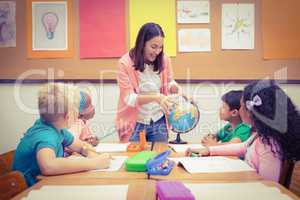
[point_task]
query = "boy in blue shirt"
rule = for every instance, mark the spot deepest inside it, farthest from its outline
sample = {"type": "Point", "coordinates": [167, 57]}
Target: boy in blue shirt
{"type": "Point", "coordinates": [235, 131]}
{"type": "Point", "coordinates": [41, 150]}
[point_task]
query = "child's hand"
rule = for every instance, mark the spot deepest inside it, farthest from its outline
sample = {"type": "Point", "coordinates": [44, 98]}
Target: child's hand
{"type": "Point", "coordinates": [88, 151]}
{"type": "Point", "coordinates": [93, 140]}
{"type": "Point", "coordinates": [209, 141]}
{"type": "Point", "coordinates": [76, 154]}
{"type": "Point", "coordinates": [102, 161]}
{"type": "Point", "coordinates": [200, 152]}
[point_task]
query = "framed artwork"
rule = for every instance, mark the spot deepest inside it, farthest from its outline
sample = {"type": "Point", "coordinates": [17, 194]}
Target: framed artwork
{"type": "Point", "coordinates": [49, 28]}
{"type": "Point", "coordinates": [238, 26]}
{"type": "Point", "coordinates": [193, 11]}
{"type": "Point", "coordinates": [194, 40]}
{"type": "Point", "coordinates": [7, 24]}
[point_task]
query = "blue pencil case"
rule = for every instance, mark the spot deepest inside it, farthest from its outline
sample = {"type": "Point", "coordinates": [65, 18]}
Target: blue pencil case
{"type": "Point", "coordinates": [160, 165]}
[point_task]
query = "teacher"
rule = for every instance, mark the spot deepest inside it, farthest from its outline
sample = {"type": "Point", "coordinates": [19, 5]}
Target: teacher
{"type": "Point", "coordinates": [145, 78]}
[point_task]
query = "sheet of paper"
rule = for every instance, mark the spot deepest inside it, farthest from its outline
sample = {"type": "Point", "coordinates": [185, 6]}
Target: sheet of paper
{"type": "Point", "coordinates": [111, 147]}
{"type": "Point", "coordinates": [194, 40]}
{"type": "Point", "coordinates": [235, 191]}
{"type": "Point", "coordinates": [181, 148]}
{"type": "Point", "coordinates": [79, 192]}
{"type": "Point", "coordinates": [115, 165]}
{"type": "Point", "coordinates": [213, 164]}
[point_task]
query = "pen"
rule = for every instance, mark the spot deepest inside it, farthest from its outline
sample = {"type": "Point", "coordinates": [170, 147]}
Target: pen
{"type": "Point", "coordinates": [194, 154]}
{"type": "Point", "coordinates": [172, 148]}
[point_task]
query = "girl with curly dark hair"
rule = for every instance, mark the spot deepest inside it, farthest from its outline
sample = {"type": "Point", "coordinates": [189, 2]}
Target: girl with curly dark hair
{"type": "Point", "coordinates": [275, 121]}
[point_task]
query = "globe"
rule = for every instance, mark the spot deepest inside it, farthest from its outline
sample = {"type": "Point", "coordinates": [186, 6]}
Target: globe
{"type": "Point", "coordinates": [183, 117]}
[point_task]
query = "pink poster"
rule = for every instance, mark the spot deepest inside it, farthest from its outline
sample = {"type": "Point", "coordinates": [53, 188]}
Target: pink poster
{"type": "Point", "coordinates": [102, 28]}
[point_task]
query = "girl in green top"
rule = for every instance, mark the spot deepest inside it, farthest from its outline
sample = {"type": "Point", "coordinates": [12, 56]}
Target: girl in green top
{"type": "Point", "coordinates": [233, 132]}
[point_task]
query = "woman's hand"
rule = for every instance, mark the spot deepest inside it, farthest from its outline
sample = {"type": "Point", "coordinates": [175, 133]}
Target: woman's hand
{"type": "Point", "coordinates": [166, 103]}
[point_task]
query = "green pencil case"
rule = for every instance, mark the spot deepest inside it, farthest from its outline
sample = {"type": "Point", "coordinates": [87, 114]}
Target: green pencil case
{"type": "Point", "coordinates": [137, 162]}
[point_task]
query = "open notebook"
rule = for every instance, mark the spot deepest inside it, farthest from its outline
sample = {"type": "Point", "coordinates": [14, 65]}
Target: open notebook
{"type": "Point", "coordinates": [79, 192]}
{"type": "Point", "coordinates": [181, 148]}
{"type": "Point", "coordinates": [111, 147]}
{"type": "Point", "coordinates": [115, 164]}
{"type": "Point", "coordinates": [212, 164]}
{"type": "Point", "coordinates": [236, 191]}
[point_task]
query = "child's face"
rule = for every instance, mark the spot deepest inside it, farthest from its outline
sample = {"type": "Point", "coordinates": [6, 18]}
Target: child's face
{"type": "Point", "coordinates": [88, 113]}
{"type": "Point", "coordinates": [244, 113]}
{"type": "Point", "coordinates": [225, 113]}
{"type": "Point", "coordinates": [88, 110]}
{"type": "Point", "coordinates": [71, 117]}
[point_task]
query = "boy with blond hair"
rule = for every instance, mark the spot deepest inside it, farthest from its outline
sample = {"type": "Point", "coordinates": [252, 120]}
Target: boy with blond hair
{"type": "Point", "coordinates": [41, 150]}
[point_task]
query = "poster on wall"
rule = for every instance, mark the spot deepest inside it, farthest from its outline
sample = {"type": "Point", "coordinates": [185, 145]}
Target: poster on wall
{"type": "Point", "coordinates": [196, 11]}
{"type": "Point", "coordinates": [144, 11]}
{"type": "Point", "coordinates": [238, 26]}
{"type": "Point", "coordinates": [50, 28]}
{"type": "Point", "coordinates": [194, 40]}
{"type": "Point", "coordinates": [7, 24]}
{"type": "Point", "coordinates": [99, 37]}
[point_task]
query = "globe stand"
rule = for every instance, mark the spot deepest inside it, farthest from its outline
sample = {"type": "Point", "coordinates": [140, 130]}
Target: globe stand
{"type": "Point", "coordinates": [178, 140]}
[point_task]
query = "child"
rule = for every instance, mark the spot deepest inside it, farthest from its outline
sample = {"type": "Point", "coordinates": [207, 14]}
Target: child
{"type": "Point", "coordinates": [277, 138]}
{"type": "Point", "coordinates": [80, 130]}
{"type": "Point", "coordinates": [235, 131]}
{"type": "Point", "coordinates": [41, 150]}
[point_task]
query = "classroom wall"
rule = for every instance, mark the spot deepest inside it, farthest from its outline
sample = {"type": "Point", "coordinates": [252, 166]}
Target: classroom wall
{"type": "Point", "coordinates": [215, 65]}
{"type": "Point", "coordinates": [18, 112]}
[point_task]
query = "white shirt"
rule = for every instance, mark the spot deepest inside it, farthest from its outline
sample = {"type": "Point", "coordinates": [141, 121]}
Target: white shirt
{"type": "Point", "coordinates": [149, 82]}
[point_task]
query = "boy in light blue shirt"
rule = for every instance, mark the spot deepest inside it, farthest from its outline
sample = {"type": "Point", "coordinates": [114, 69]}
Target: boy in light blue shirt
{"type": "Point", "coordinates": [41, 150]}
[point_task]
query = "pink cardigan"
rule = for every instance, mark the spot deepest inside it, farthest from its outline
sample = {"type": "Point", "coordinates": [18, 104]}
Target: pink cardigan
{"type": "Point", "coordinates": [258, 155]}
{"type": "Point", "coordinates": [128, 83]}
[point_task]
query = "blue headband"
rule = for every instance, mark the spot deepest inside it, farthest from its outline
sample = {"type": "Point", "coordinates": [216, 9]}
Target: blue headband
{"type": "Point", "coordinates": [82, 101]}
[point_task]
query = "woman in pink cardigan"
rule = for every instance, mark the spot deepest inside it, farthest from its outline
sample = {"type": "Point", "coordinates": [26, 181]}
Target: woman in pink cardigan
{"type": "Point", "coordinates": [276, 138]}
{"type": "Point", "coordinates": [145, 79]}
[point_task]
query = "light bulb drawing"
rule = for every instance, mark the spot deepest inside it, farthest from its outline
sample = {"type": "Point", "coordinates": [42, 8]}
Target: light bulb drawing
{"type": "Point", "coordinates": [50, 21]}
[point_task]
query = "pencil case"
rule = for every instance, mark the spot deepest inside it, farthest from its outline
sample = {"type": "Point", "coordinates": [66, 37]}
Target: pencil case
{"type": "Point", "coordinates": [173, 190]}
{"type": "Point", "coordinates": [137, 162]}
{"type": "Point", "coordinates": [160, 165]}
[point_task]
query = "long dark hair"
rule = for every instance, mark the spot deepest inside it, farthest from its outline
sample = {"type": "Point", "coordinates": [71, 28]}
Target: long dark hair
{"type": "Point", "coordinates": [146, 33]}
{"type": "Point", "coordinates": [275, 118]}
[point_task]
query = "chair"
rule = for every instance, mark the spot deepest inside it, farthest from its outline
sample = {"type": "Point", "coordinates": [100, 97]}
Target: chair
{"type": "Point", "coordinates": [6, 161]}
{"type": "Point", "coordinates": [11, 184]}
{"type": "Point", "coordinates": [295, 180]}
{"type": "Point", "coordinates": [286, 173]}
